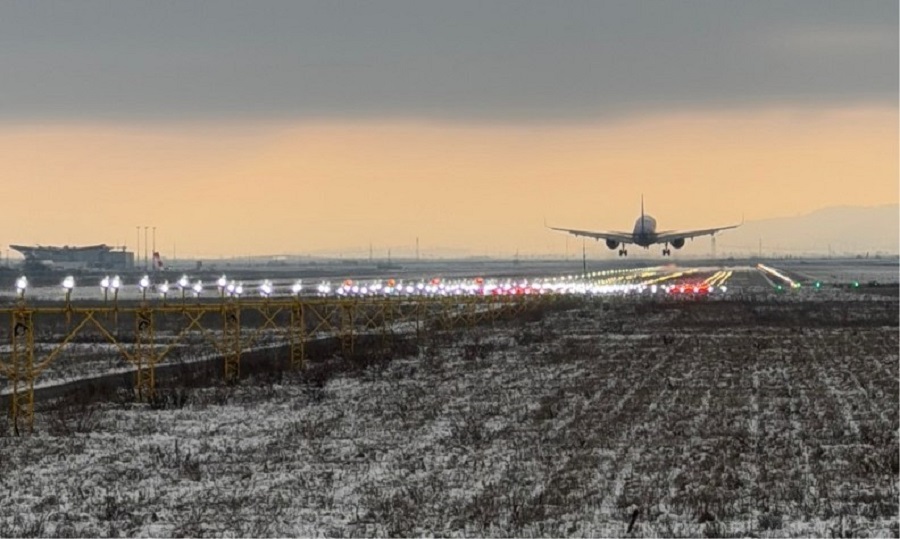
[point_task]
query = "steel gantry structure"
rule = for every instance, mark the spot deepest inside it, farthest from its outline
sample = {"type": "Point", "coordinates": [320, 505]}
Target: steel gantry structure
{"type": "Point", "coordinates": [145, 333]}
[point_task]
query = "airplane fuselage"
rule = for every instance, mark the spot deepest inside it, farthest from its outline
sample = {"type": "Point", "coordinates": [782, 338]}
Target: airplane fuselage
{"type": "Point", "coordinates": [645, 234]}
{"type": "Point", "coordinates": [644, 231]}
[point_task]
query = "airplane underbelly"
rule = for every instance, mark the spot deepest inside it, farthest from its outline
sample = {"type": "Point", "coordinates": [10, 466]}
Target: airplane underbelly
{"type": "Point", "coordinates": [645, 231]}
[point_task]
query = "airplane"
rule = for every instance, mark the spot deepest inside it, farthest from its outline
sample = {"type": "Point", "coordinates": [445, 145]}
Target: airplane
{"type": "Point", "coordinates": [645, 234]}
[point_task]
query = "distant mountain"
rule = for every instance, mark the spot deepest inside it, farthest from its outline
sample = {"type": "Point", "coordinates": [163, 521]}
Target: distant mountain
{"type": "Point", "coordinates": [839, 230]}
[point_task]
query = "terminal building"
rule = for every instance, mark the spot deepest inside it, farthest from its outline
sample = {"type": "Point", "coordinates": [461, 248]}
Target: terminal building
{"type": "Point", "coordinates": [76, 258]}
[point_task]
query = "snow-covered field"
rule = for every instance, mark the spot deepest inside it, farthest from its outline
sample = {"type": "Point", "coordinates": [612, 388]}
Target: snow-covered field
{"type": "Point", "coordinates": [707, 418]}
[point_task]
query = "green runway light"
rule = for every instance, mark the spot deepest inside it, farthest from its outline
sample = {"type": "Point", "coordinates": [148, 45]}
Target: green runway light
{"type": "Point", "coordinates": [855, 284]}
{"type": "Point", "coordinates": [779, 287]}
{"type": "Point", "coordinates": [818, 284]}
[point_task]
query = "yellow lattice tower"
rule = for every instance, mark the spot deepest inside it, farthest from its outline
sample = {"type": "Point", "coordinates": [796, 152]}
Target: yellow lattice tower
{"type": "Point", "coordinates": [21, 371]}
{"type": "Point", "coordinates": [144, 353]}
{"type": "Point", "coordinates": [348, 319]}
{"type": "Point", "coordinates": [387, 324]}
{"type": "Point", "coordinates": [231, 341]}
{"type": "Point", "coordinates": [298, 336]}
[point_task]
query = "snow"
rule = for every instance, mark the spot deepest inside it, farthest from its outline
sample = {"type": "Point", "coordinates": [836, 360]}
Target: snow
{"type": "Point", "coordinates": [773, 419]}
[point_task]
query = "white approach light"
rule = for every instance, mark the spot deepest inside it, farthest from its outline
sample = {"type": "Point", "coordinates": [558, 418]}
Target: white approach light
{"type": "Point", "coordinates": [104, 283]}
{"type": "Point", "coordinates": [144, 283]}
{"type": "Point", "coordinates": [183, 282]}
{"type": "Point", "coordinates": [115, 283]}
{"type": "Point", "coordinates": [222, 282]}
{"type": "Point", "coordinates": [230, 288]}
{"type": "Point", "coordinates": [197, 288]}
{"type": "Point", "coordinates": [239, 289]}
{"type": "Point", "coordinates": [265, 289]}
{"type": "Point", "coordinates": [296, 288]}
{"type": "Point", "coordinates": [21, 285]}
{"type": "Point", "coordinates": [68, 283]}
{"type": "Point", "coordinates": [163, 288]}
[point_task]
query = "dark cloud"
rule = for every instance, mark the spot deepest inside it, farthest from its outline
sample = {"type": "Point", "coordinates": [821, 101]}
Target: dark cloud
{"type": "Point", "coordinates": [467, 60]}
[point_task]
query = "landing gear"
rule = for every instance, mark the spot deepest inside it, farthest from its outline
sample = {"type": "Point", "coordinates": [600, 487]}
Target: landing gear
{"type": "Point", "coordinates": [623, 252]}
{"type": "Point", "coordinates": [667, 251]}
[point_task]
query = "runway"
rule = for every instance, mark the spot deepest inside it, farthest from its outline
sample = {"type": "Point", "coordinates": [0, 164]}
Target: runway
{"type": "Point", "coordinates": [479, 277]}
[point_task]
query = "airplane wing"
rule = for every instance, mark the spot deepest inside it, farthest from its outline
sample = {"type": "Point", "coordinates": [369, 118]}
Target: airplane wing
{"type": "Point", "coordinates": [670, 235]}
{"type": "Point", "coordinates": [621, 237]}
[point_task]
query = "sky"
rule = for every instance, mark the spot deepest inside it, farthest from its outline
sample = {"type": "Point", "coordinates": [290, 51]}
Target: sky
{"type": "Point", "coordinates": [246, 128]}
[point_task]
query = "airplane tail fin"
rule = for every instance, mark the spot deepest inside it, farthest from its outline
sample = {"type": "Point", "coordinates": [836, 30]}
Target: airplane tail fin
{"type": "Point", "coordinates": [642, 213]}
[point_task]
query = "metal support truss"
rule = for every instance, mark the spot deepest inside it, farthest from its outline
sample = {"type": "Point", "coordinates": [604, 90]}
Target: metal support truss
{"type": "Point", "coordinates": [144, 355]}
{"type": "Point", "coordinates": [348, 319]}
{"type": "Point", "coordinates": [160, 328]}
{"type": "Point", "coordinates": [231, 341]}
{"type": "Point", "coordinates": [20, 370]}
{"type": "Point", "coordinates": [298, 336]}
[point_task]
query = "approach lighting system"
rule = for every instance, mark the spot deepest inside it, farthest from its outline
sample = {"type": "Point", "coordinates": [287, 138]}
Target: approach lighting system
{"type": "Point", "coordinates": [21, 286]}
{"type": "Point", "coordinates": [230, 288]}
{"type": "Point", "coordinates": [239, 289]}
{"type": "Point", "coordinates": [163, 288]}
{"type": "Point", "coordinates": [296, 288]}
{"type": "Point", "coordinates": [265, 289]}
{"type": "Point", "coordinates": [68, 285]}
{"type": "Point", "coordinates": [104, 283]}
{"type": "Point", "coordinates": [183, 282]}
{"type": "Point", "coordinates": [222, 284]}
{"type": "Point", "coordinates": [144, 283]}
{"type": "Point", "coordinates": [197, 288]}
{"type": "Point", "coordinates": [115, 283]}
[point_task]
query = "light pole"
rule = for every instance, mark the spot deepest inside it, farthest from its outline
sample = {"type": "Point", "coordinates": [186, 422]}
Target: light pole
{"type": "Point", "coordinates": [21, 286]}
{"type": "Point", "coordinates": [137, 250]}
{"type": "Point", "coordinates": [265, 289]}
{"type": "Point", "coordinates": [145, 247]}
{"type": "Point", "coordinates": [104, 285]}
{"type": "Point", "coordinates": [183, 284]}
{"type": "Point", "coordinates": [68, 285]}
{"type": "Point", "coordinates": [164, 290]}
{"type": "Point", "coordinates": [222, 283]}
{"type": "Point", "coordinates": [197, 288]}
{"type": "Point", "coordinates": [144, 284]}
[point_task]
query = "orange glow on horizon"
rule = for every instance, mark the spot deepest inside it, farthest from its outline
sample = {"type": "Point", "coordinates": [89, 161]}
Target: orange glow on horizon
{"type": "Point", "coordinates": [234, 190]}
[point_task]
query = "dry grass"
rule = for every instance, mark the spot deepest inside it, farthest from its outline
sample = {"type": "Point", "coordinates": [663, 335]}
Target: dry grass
{"type": "Point", "coordinates": [617, 418]}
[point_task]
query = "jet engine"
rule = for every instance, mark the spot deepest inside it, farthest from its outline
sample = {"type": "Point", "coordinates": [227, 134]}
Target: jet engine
{"type": "Point", "coordinates": [678, 243]}
{"type": "Point", "coordinates": [612, 244]}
